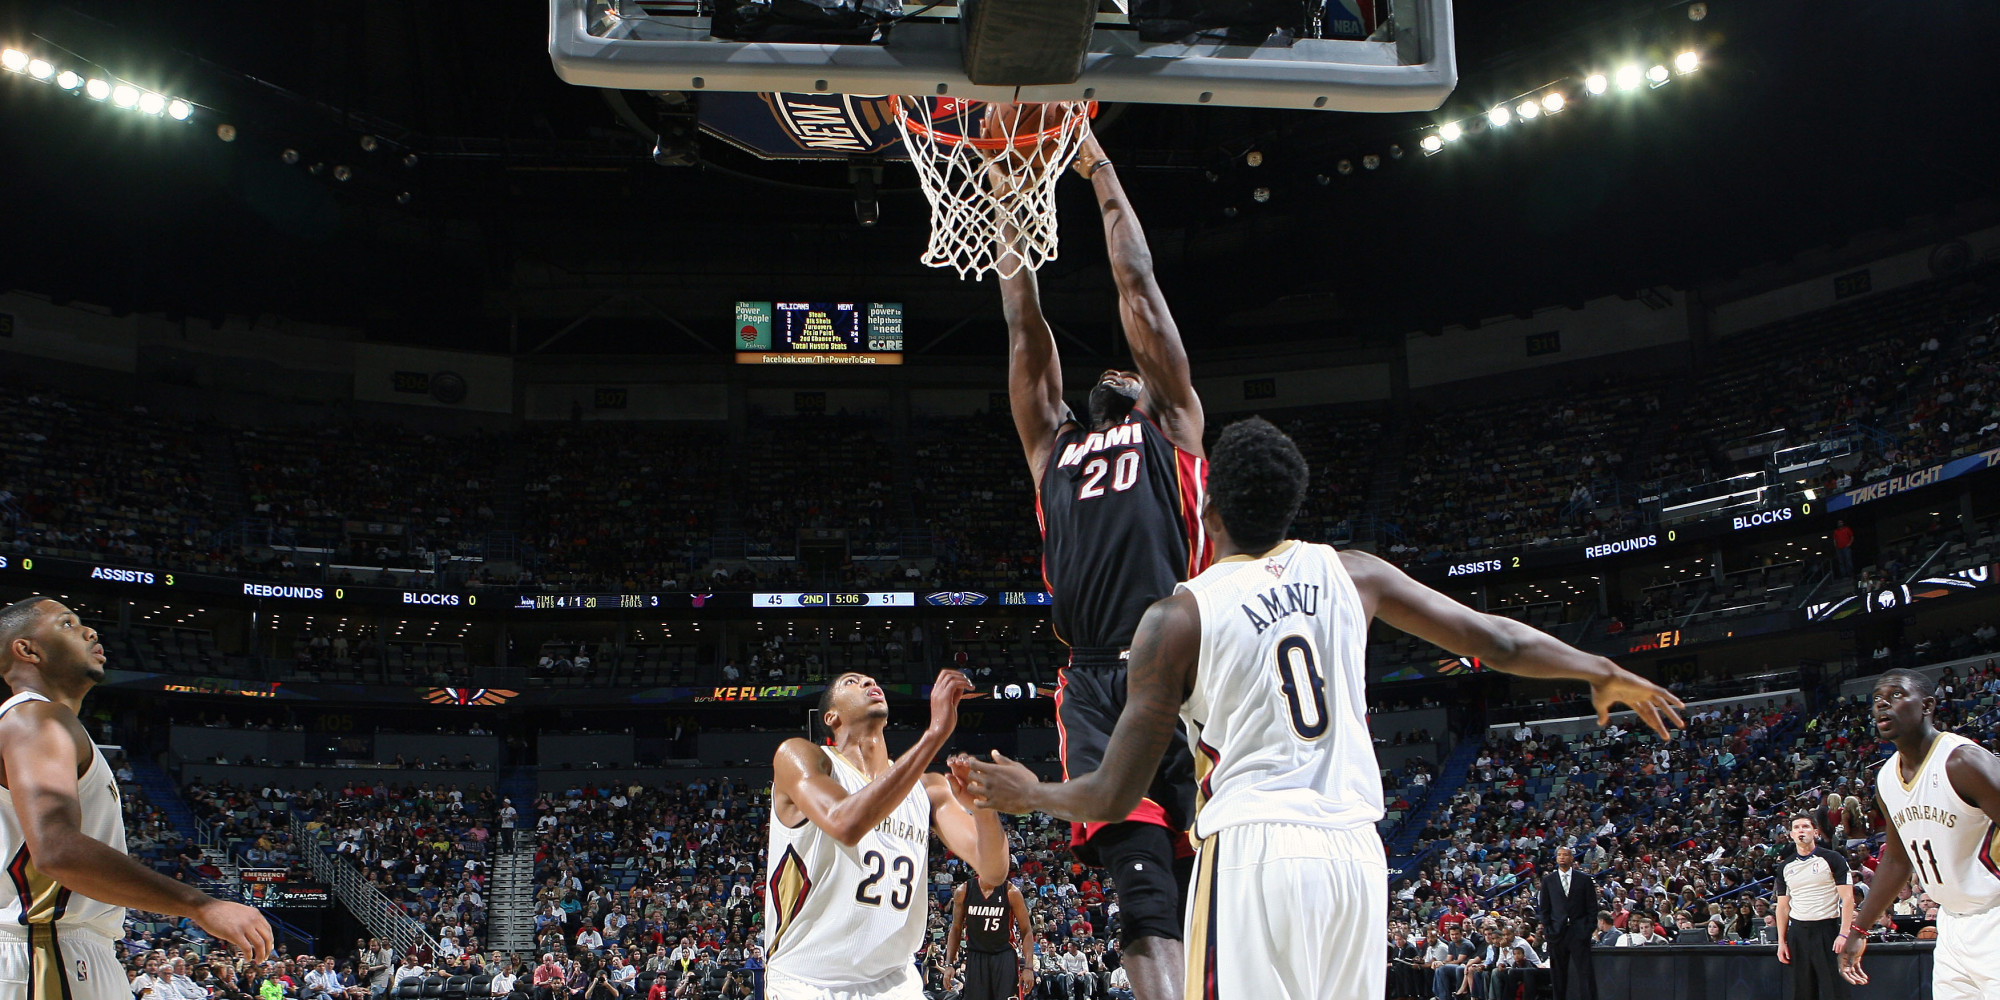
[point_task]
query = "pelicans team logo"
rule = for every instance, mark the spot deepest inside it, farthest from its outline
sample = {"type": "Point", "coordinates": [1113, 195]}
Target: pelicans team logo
{"type": "Point", "coordinates": [467, 696]}
{"type": "Point", "coordinates": [955, 598]}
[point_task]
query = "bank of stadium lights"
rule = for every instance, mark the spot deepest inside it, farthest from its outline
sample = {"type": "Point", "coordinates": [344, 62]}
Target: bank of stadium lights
{"type": "Point", "coordinates": [117, 93]}
{"type": "Point", "coordinates": [1552, 99]}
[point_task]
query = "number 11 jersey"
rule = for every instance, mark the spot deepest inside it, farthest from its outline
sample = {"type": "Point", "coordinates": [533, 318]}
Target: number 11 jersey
{"type": "Point", "coordinates": [840, 916]}
{"type": "Point", "coordinates": [1277, 717]}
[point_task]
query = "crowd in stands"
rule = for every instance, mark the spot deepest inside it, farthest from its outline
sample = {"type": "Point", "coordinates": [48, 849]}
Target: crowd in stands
{"type": "Point", "coordinates": [1900, 380]}
{"type": "Point", "coordinates": [1682, 838]}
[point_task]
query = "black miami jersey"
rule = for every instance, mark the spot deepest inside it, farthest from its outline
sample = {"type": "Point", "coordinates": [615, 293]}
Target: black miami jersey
{"type": "Point", "coordinates": [1120, 513]}
{"type": "Point", "coordinates": [989, 919]}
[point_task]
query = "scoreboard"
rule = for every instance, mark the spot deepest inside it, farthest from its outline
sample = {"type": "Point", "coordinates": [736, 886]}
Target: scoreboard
{"type": "Point", "coordinates": [819, 333]}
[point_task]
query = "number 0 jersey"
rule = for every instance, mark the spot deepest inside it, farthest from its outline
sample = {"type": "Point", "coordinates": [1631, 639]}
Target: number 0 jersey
{"type": "Point", "coordinates": [1277, 712]}
{"type": "Point", "coordinates": [1120, 512]}
{"type": "Point", "coordinates": [1952, 845]}
{"type": "Point", "coordinates": [36, 900]}
{"type": "Point", "coordinates": [840, 916]}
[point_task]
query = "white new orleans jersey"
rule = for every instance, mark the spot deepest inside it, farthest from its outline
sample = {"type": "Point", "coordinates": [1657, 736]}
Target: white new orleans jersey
{"type": "Point", "coordinates": [34, 899]}
{"type": "Point", "coordinates": [1951, 842]}
{"type": "Point", "coordinates": [1277, 716]}
{"type": "Point", "coordinates": [840, 917]}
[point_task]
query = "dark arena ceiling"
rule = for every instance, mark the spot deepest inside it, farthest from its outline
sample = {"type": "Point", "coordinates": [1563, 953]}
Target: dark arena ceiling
{"type": "Point", "coordinates": [531, 205]}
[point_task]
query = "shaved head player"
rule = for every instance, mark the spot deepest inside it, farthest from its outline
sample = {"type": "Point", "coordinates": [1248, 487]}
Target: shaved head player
{"type": "Point", "coordinates": [1262, 656]}
{"type": "Point", "coordinates": [62, 829]}
{"type": "Point", "coordinates": [1118, 495]}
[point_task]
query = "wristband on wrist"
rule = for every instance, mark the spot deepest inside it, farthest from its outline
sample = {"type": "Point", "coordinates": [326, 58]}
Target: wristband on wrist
{"type": "Point", "coordinates": [1097, 165]}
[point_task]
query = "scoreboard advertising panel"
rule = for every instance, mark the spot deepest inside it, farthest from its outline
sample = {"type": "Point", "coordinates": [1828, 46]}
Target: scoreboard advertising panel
{"type": "Point", "coordinates": [819, 333]}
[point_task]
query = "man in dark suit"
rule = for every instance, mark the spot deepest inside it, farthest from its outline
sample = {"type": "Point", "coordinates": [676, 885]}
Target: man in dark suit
{"type": "Point", "coordinates": [1567, 908]}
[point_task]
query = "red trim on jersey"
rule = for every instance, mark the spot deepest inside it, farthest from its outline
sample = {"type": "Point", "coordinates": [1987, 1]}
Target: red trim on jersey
{"type": "Point", "coordinates": [1062, 735]}
{"type": "Point", "coordinates": [1986, 848]}
{"type": "Point", "coordinates": [1214, 761]}
{"type": "Point", "coordinates": [1191, 475]}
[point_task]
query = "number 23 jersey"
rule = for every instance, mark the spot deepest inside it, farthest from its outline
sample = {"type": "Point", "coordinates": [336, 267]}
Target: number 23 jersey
{"type": "Point", "coordinates": [836, 915]}
{"type": "Point", "coordinates": [1277, 716]}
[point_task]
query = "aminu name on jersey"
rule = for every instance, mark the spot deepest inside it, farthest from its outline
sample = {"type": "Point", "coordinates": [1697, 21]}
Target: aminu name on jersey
{"type": "Point", "coordinates": [1120, 516]}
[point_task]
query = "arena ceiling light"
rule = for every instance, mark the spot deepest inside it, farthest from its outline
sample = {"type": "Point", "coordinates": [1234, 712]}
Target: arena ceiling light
{"type": "Point", "coordinates": [1529, 109]}
{"type": "Point", "coordinates": [1658, 75]}
{"type": "Point", "coordinates": [1687, 62]}
{"type": "Point", "coordinates": [1553, 101]}
{"type": "Point", "coordinates": [1629, 77]}
{"type": "Point", "coordinates": [97, 87]}
{"type": "Point", "coordinates": [1596, 84]}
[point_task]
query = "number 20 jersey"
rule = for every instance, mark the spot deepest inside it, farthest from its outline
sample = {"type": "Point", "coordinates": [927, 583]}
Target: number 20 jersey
{"type": "Point", "coordinates": [1120, 512]}
{"type": "Point", "coordinates": [1277, 717]}
{"type": "Point", "coordinates": [840, 916]}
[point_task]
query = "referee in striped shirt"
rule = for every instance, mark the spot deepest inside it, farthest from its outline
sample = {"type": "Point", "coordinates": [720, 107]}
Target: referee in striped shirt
{"type": "Point", "coordinates": [1815, 909]}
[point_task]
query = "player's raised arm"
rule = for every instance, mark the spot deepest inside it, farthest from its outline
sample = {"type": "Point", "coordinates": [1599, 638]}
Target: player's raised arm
{"type": "Point", "coordinates": [1505, 644]}
{"type": "Point", "coordinates": [802, 776]}
{"type": "Point", "coordinates": [971, 831]}
{"type": "Point", "coordinates": [1169, 396]}
{"type": "Point", "coordinates": [1034, 370]}
{"type": "Point", "coordinates": [1165, 653]}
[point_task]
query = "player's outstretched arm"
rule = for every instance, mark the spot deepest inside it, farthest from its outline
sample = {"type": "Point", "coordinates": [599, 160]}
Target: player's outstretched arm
{"type": "Point", "coordinates": [803, 775]}
{"type": "Point", "coordinates": [1892, 873]}
{"type": "Point", "coordinates": [1505, 644]}
{"type": "Point", "coordinates": [972, 832]}
{"type": "Point", "coordinates": [39, 751]}
{"type": "Point", "coordinates": [1165, 649]}
{"type": "Point", "coordinates": [1150, 331]}
{"type": "Point", "coordinates": [1034, 370]}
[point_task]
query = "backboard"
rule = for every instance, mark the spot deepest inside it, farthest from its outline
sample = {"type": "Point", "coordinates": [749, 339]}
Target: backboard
{"type": "Point", "coordinates": [1407, 62]}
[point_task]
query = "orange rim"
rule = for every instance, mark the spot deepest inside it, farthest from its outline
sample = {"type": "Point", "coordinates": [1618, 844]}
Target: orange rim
{"type": "Point", "coordinates": [994, 145]}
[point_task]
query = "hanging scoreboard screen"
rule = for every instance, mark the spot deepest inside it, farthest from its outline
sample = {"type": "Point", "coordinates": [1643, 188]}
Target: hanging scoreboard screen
{"type": "Point", "coordinates": [819, 333]}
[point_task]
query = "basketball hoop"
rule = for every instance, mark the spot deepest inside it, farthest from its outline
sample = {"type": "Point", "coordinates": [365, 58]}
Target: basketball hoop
{"type": "Point", "coordinates": [990, 172]}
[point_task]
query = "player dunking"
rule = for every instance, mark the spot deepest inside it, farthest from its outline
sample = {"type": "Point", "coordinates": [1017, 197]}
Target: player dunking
{"type": "Point", "coordinates": [62, 830]}
{"type": "Point", "coordinates": [1941, 795]}
{"type": "Point", "coordinates": [998, 965]}
{"type": "Point", "coordinates": [845, 899]}
{"type": "Point", "coordinates": [1117, 499]}
{"type": "Point", "coordinates": [1262, 656]}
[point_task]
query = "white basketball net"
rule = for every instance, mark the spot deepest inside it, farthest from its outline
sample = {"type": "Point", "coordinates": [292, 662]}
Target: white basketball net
{"type": "Point", "coordinates": [992, 191]}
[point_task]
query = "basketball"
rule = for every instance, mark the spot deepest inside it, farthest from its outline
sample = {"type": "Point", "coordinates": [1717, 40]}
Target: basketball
{"type": "Point", "coordinates": [1019, 125]}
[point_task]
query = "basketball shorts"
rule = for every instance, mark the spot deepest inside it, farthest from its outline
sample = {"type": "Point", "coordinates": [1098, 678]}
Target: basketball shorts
{"type": "Point", "coordinates": [1966, 964]}
{"type": "Point", "coordinates": [992, 975]}
{"type": "Point", "coordinates": [902, 984]}
{"type": "Point", "coordinates": [1286, 912]}
{"type": "Point", "coordinates": [1089, 699]}
{"type": "Point", "coordinates": [45, 963]}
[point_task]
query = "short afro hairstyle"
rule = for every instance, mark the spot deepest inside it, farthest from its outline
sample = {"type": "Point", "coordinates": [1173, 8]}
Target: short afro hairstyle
{"type": "Point", "coordinates": [1257, 479]}
{"type": "Point", "coordinates": [820, 730]}
{"type": "Point", "coordinates": [1924, 686]}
